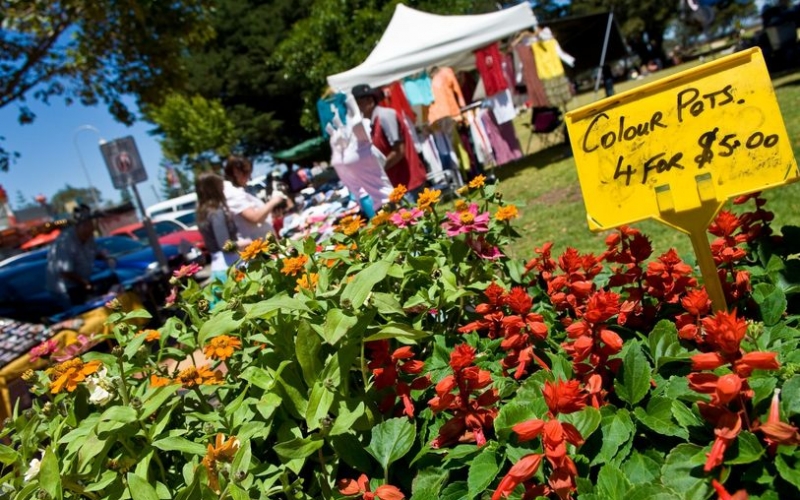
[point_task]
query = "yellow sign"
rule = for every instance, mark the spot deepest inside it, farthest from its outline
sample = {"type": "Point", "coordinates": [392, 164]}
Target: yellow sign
{"type": "Point", "coordinates": [690, 140]}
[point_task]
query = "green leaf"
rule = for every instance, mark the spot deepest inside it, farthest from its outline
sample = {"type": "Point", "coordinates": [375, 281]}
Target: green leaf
{"type": "Point", "coordinates": [140, 488]}
{"type": "Point", "coordinates": [219, 324]}
{"type": "Point", "coordinates": [790, 398]}
{"type": "Point", "coordinates": [258, 377]}
{"type": "Point", "coordinates": [391, 440]}
{"type": "Point", "coordinates": [7, 455]}
{"type": "Point", "coordinates": [177, 443]}
{"type": "Point", "coordinates": [789, 472]}
{"type": "Point", "coordinates": [428, 483]}
{"type": "Point", "coordinates": [307, 347]}
{"type": "Point", "coordinates": [237, 493]}
{"type": "Point", "coordinates": [49, 476]}
{"type": "Point", "coordinates": [683, 472]}
{"type": "Point", "coordinates": [771, 300]}
{"type": "Point", "coordinates": [633, 380]}
{"type": "Point", "coordinates": [356, 292]}
{"type": "Point", "coordinates": [387, 304]}
{"type": "Point", "coordinates": [298, 448]}
{"type": "Point", "coordinates": [319, 403]}
{"type": "Point", "coordinates": [618, 429]}
{"type": "Point", "coordinates": [345, 418]}
{"type": "Point", "coordinates": [653, 492]}
{"type": "Point", "coordinates": [241, 462]}
{"type": "Point", "coordinates": [641, 469]}
{"type": "Point", "coordinates": [399, 331]}
{"type": "Point", "coordinates": [612, 483]}
{"type": "Point", "coordinates": [665, 345]}
{"type": "Point", "coordinates": [455, 491]}
{"type": "Point", "coordinates": [337, 323]}
{"type": "Point", "coordinates": [351, 451]}
{"type": "Point", "coordinates": [747, 449]}
{"type": "Point", "coordinates": [482, 471]}
{"type": "Point", "coordinates": [267, 308]}
{"type": "Point", "coordinates": [586, 421]}
{"type": "Point", "coordinates": [684, 415]}
{"type": "Point", "coordinates": [658, 418]}
{"type": "Point", "coordinates": [156, 399]}
{"type": "Point", "coordinates": [513, 413]}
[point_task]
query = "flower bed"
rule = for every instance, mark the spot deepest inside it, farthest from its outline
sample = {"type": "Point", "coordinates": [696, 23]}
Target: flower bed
{"type": "Point", "coordinates": [410, 358]}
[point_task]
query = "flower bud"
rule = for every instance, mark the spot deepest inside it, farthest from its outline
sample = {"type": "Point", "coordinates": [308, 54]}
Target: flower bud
{"type": "Point", "coordinates": [498, 196]}
{"type": "Point", "coordinates": [28, 376]}
{"type": "Point", "coordinates": [47, 409]}
{"type": "Point", "coordinates": [174, 281]}
{"type": "Point", "coordinates": [114, 304]}
{"type": "Point", "coordinates": [240, 476]}
{"type": "Point", "coordinates": [230, 246]}
{"type": "Point", "coordinates": [234, 303]}
{"type": "Point", "coordinates": [208, 428]}
{"type": "Point", "coordinates": [136, 403]}
{"type": "Point", "coordinates": [203, 305]}
{"type": "Point", "coordinates": [42, 495]}
{"type": "Point", "coordinates": [117, 351]}
{"type": "Point", "coordinates": [28, 414]}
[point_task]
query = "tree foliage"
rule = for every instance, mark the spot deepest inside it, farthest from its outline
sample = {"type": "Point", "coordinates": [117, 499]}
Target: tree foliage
{"type": "Point", "coordinates": [195, 131]}
{"type": "Point", "coordinates": [67, 195]}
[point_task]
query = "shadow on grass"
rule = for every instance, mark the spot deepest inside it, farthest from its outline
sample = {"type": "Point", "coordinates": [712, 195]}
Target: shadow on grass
{"type": "Point", "coordinates": [788, 78]}
{"type": "Point", "coordinates": [537, 160]}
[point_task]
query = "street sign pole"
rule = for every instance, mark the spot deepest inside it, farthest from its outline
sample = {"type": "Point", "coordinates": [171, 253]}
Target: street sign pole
{"type": "Point", "coordinates": [126, 169]}
{"type": "Point", "coordinates": [151, 232]}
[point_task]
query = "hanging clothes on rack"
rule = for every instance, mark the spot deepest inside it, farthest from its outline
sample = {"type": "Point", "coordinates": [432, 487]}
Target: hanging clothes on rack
{"type": "Point", "coordinates": [447, 97]}
{"type": "Point", "coordinates": [548, 56]}
{"type": "Point", "coordinates": [502, 137]}
{"type": "Point", "coordinates": [325, 111]}
{"type": "Point", "coordinates": [489, 62]}
{"type": "Point", "coordinates": [527, 66]}
{"type": "Point", "coordinates": [395, 98]}
{"type": "Point", "coordinates": [502, 106]}
{"type": "Point", "coordinates": [483, 147]}
{"type": "Point", "coordinates": [418, 89]}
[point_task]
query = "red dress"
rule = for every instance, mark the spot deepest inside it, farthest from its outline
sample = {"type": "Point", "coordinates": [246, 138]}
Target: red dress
{"type": "Point", "coordinates": [409, 171]}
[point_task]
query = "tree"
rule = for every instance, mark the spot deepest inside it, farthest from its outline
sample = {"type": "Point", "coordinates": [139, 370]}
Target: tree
{"type": "Point", "coordinates": [642, 22]}
{"type": "Point", "coordinates": [96, 51]}
{"type": "Point", "coordinates": [195, 131]}
{"type": "Point", "coordinates": [22, 201]}
{"type": "Point", "coordinates": [236, 68]}
{"type": "Point", "coordinates": [68, 195]}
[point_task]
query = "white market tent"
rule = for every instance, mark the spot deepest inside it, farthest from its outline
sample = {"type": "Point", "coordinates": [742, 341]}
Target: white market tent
{"type": "Point", "coordinates": [415, 40]}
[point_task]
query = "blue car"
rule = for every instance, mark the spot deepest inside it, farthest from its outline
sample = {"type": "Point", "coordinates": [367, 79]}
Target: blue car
{"type": "Point", "coordinates": [24, 297]}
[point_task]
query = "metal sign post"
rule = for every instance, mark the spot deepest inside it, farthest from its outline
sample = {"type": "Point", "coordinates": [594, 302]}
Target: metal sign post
{"type": "Point", "coordinates": [126, 169]}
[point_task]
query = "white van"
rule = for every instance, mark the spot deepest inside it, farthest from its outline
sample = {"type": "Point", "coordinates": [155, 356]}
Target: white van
{"type": "Point", "coordinates": [179, 204]}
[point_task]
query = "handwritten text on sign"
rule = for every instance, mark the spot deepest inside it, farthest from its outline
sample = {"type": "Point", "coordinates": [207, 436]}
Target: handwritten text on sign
{"type": "Point", "coordinates": [712, 131]}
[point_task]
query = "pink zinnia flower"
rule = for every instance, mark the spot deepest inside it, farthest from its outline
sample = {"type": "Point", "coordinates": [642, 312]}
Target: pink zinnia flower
{"type": "Point", "coordinates": [42, 350]}
{"type": "Point", "coordinates": [405, 217]}
{"type": "Point", "coordinates": [172, 297]}
{"type": "Point", "coordinates": [484, 249]}
{"type": "Point", "coordinates": [466, 221]}
{"type": "Point", "coordinates": [82, 343]}
{"type": "Point", "coordinates": [187, 270]}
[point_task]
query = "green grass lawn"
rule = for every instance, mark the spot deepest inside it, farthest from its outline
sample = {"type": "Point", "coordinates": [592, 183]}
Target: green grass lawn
{"type": "Point", "coordinates": [544, 185]}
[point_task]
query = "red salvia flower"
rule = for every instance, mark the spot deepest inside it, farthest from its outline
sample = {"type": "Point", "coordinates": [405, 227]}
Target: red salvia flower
{"type": "Point", "coordinates": [722, 493]}
{"type": "Point", "coordinates": [563, 397]}
{"type": "Point", "coordinates": [360, 486]}
{"type": "Point", "coordinates": [520, 472]}
{"type": "Point", "coordinates": [472, 406]}
{"type": "Point", "coordinates": [388, 369]}
{"type": "Point", "coordinates": [775, 431]}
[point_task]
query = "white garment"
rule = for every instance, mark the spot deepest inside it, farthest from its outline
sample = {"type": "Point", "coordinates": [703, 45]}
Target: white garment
{"type": "Point", "coordinates": [221, 261]}
{"type": "Point", "coordinates": [483, 148]}
{"type": "Point", "coordinates": [240, 200]}
{"type": "Point", "coordinates": [503, 106]}
{"type": "Point", "coordinates": [357, 162]}
{"type": "Point", "coordinates": [431, 157]}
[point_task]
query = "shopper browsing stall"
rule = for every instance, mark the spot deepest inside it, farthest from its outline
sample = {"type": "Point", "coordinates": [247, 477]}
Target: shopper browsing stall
{"type": "Point", "coordinates": [392, 138]}
{"type": "Point", "coordinates": [250, 214]}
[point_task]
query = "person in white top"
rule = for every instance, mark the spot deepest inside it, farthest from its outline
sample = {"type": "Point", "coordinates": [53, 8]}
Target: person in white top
{"type": "Point", "coordinates": [250, 214]}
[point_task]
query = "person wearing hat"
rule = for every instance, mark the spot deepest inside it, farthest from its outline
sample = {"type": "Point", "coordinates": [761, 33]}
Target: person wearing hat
{"type": "Point", "coordinates": [70, 260]}
{"type": "Point", "coordinates": [391, 136]}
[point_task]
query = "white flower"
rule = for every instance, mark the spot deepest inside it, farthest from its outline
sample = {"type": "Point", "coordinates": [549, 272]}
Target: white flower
{"type": "Point", "coordinates": [97, 393]}
{"type": "Point", "coordinates": [33, 469]}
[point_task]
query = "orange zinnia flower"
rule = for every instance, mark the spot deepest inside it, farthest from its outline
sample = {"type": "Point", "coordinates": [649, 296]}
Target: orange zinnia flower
{"type": "Point", "coordinates": [222, 451]}
{"type": "Point", "coordinates": [350, 225]}
{"type": "Point", "coordinates": [381, 218]}
{"type": "Point", "coordinates": [478, 181]}
{"type": "Point", "coordinates": [151, 335]}
{"type": "Point", "coordinates": [69, 373]}
{"type": "Point", "coordinates": [307, 281]}
{"type": "Point", "coordinates": [461, 206]}
{"type": "Point", "coordinates": [253, 250]}
{"type": "Point", "coordinates": [222, 347]}
{"type": "Point", "coordinates": [202, 375]}
{"type": "Point", "coordinates": [239, 276]}
{"type": "Point", "coordinates": [360, 486]}
{"type": "Point", "coordinates": [156, 381]}
{"type": "Point", "coordinates": [293, 265]}
{"type": "Point", "coordinates": [506, 213]}
{"type": "Point", "coordinates": [396, 196]}
{"type": "Point", "coordinates": [428, 198]}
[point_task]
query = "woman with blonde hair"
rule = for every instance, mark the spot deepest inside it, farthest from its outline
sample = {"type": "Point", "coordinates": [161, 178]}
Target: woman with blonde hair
{"type": "Point", "coordinates": [215, 223]}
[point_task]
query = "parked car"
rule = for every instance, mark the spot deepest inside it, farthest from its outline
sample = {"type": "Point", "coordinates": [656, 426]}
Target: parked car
{"type": "Point", "coordinates": [168, 232]}
{"type": "Point", "coordinates": [24, 296]}
{"type": "Point", "coordinates": [178, 204]}
{"type": "Point", "coordinates": [186, 218]}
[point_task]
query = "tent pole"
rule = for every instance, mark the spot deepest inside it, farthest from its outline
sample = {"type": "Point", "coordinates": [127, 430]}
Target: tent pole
{"type": "Point", "coordinates": [603, 53]}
